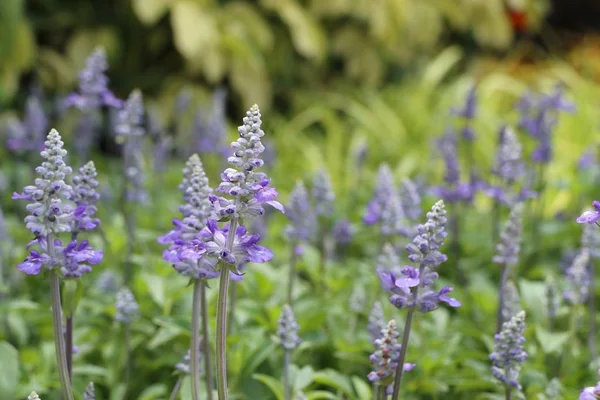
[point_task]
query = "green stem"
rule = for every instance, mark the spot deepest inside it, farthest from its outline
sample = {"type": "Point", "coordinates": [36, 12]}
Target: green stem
{"type": "Point", "coordinates": [195, 345]}
{"type": "Point", "coordinates": [176, 388]}
{"type": "Point", "coordinates": [222, 319]}
{"type": "Point", "coordinates": [69, 344]}
{"type": "Point", "coordinates": [402, 358]}
{"type": "Point", "coordinates": [59, 340]}
{"type": "Point", "coordinates": [508, 393]}
{"type": "Point", "coordinates": [292, 273]}
{"type": "Point", "coordinates": [206, 344]}
{"type": "Point", "coordinates": [232, 304]}
{"type": "Point", "coordinates": [127, 356]}
{"type": "Point", "coordinates": [287, 395]}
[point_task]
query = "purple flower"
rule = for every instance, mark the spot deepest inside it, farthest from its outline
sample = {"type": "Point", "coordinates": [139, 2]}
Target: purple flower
{"type": "Point", "coordinates": [210, 127]}
{"type": "Point", "coordinates": [508, 352]}
{"type": "Point", "coordinates": [287, 329]}
{"type": "Point", "coordinates": [587, 159]}
{"type": "Point", "coordinates": [384, 189]}
{"type": "Point", "coordinates": [507, 250]}
{"type": "Point", "coordinates": [303, 220]}
{"type": "Point", "coordinates": [84, 196]}
{"type": "Point", "coordinates": [323, 195]}
{"type": "Point", "coordinates": [376, 322]}
{"type": "Point", "coordinates": [578, 278]}
{"type": "Point", "coordinates": [385, 357]}
{"type": "Point", "coordinates": [469, 110]}
{"type": "Point", "coordinates": [590, 393]}
{"type": "Point", "coordinates": [590, 216]}
{"type": "Point", "coordinates": [343, 232]}
{"type": "Point", "coordinates": [126, 305]}
{"type": "Point", "coordinates": [30, 134]}
{"type": "Point", "coordinates": [93, 85]}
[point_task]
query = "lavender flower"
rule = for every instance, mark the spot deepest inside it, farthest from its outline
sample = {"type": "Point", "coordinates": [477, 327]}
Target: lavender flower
{"type": "Point", "coordinates": [303, 220]}
{"type": "Point", "coordinates": [508, 165]}
{"type": "Point", "coordinates": [184, 365]}
{"type": "Point", "coordinates": [249, 189]}
{"type": "Point", "coordinates": [511, 304]}
{"type": "Point", "coordinates": [107, 282]}
{"type": "Point", "coordinates": [323, 194]}
{"type": "Point", "coordinates": [33, 396]}
{"type": "Point", "coordinates": [129, 131]}
{"type": "Point", "coordinates": [376, 322]}
{"type": "Point", "coordinates": [410, 199]}
{"type": "Point", "coordinates": [357, 299]}
{"type": "Point", "coordinates": [383, 191]}
{"type": "Point", "coordinates": [30, 134]}
{"type": "Point", "coordinates": [130, 119]}
{"type": "Point", "coordinates": [49, 212]}
{"type": "Point", "coordinates": [590, 393]}
{"type": "Point", "coordinates": [587, 159]}
{"type": "Point", "coordinates": [388, 259]}
{"type": "Point", "coordinates": [590, 216]}
{"type": "Point", "coordinates": [590, 240]}
{"type": "Point", "coordinates": [343, 232]}
{"type": "Point", "coordinates": [578, 278]}
{"type": "Point", "coordinates": [93, 85]}
{"type": "Point", "coordinates": [507, 250]}
{"type": "Point", "coordinates": [386, 355]}
{"type": "Point", "coordinates": [508, 352]}
{"type": "Point", "coordinates": [392, 217]}
{"type": "Point", "coordinates": [127, 307]}
{"type": "Point", "coordinates": [90, 392]}
{"type": "Point", "coordinates": [413, 288]}
{"type": "Point", "coordinates": [211, 131]}
{"type": "Point", "coordinates": [85, 197]}
{"type": "Point", "coordinates": [287, 329]}
{"type": "Point", "coordinates": [468, 112]}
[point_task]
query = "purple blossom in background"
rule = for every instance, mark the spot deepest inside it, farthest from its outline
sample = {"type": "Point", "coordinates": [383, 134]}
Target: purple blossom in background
{"type": "Point", "coordinates": [590, 216]}
{"type": "Point", "coordinates": [301, 215]}
{"type": "Point", "coordinates": [412, 287]}
{"type": "Point", "coordinates": [287, 329]}
{"type": "Point", "coordinates": [590, 393]}
{"type": "Point", "coordinates": [357, 299]}
{"type": "Point", "coordinates": [183, 101]}
{"type": "Point", "coordinates": [343, 232]}
{"type": "Point", "coordinates": [323, 195]}
{"type": "Point", "coordinates": [85, 197]}
{"type": "Point", "coordinates": [587, 159]}
{"type": "Point", "coordinates": [508, 352]}
{"type": "Point", "coordinates": [376, 322]}
{"type": "Point", "coordinates": [507, 250]}
{"type": "Point", "coordinates": [468, 112]}
{"type": "Point", "coordinates": [130, 119]}
{"type": "Point", "coordinates": [93, 90]}
{"type": "Point", "coordinates": [509, 166]}
{"type": "Point", "coordinates": [162, 143]}
{"type": "Point", "coordinates": [411, 199]}
{"type": "Point", "coordinates": [511, 303]}
{"type": "Point", "coordinates": [30, 134]}
{"type": "Point", "coordinates": [590, 240]}
{"type": "Point", "coordinates": [210, 127]}
{"type": "Point", "coordinates": [392, 217]}
{"type": "Point", "coordinates": [385, 357]}
{"type": "Point", "coordinates": [384, 189]}
{"type": "Point", "coordinates": [107, 282]}
{"type": "Point", "coordinates": [126, 306]}
{"type": "Point", "coordinates": [86, 131]}
{"type": "Point", "coordinates": [578, 278]}
{"type": "Point", "coordinates": [183, 366]}
{"type": "Point", "coordinates": [388, 260]}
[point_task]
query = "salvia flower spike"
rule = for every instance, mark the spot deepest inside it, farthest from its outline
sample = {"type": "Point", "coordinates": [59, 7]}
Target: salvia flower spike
{"type": "Point", "coordinates": [507, 250]}
{"type": "Point", "coordinates": [376, 322]}
{"type": "Point", "coordinates": [287, 329]}
{"type": "Point", "coordinates": [384, 189]}
{"type": "Point", "coordinates": [410, 199]}
{"type": "Point", "coordinates": [90, 392]}
{"type": "Point", "coordinates": [126, 305]}
{"type": "Point", "coordinates": [578, 278]}
{"type": "Point", "coordinates": [512, 302]}
{"type": "Point", "coordinates": [85, 198]}
{"type": "Point", "coordinates": [508, 352]}
{"type": "Point", "coordinates": [323, 194]}
{"type": "Point", "coordinates": [385, 357]}
{"type": "Point", "coordinates": [300, 213]}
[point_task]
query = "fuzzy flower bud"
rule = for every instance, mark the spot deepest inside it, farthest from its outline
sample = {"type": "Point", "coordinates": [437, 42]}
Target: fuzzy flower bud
{"type": "Point", "coordinates": [303, 220]}
{"type": "Point", "coordinates": [34, 396]}
{"type": "Point", "coordinates": [507, 250]}
{"type": "Point", "coordinates": [287, 329]}
{"type": "Point", "coordinates": [386, 355]}
{"type": "Point", "coordinates": [508, 352]}
{"type": "Point", "coordinates": [47, 208]}
{"type": "Point", "coordinates": [323, 195]}
{"type": "Point", "coordinates": [376, 322]}
{"type": "Point", "coordinates": [127, 307]}
{"type": "Point", "coordinates": [85, 197]}
{"type": "Point", "coordinates": [90, 392]}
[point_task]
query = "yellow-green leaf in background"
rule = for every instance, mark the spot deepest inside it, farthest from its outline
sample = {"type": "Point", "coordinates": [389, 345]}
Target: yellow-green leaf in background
{"type": "Point", "coordinates": [244, 18]}
{"type": "Point", "coordinates": [150, 11]}
{"type": "Point", "coordinates": [194, 28]}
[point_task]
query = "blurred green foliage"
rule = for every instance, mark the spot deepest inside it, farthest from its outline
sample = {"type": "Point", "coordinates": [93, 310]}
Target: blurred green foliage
{"type": "Point", "coordinates": [264, 50]}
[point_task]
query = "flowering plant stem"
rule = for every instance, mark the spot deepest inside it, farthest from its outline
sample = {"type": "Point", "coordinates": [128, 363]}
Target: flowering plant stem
{"type": "Point", "coordinates": [222, 319]}
{"type": "Point", "coordinates": [69, 344]}
{"type": "Point", "coordinates": [176, 388]}
{"type": "Point", "coordinates": [194, 367]}
{"type": "Point", "coordinates": [503, 280]}
{"type": "Point", "coordinates": [292, 272]}
{"type": "Point", "coordinates": [206, 344]}
{"type": "Point", "coordinates": [61, 356]}
{"type": "Point", "coordinates": [380, 392]}
{"type": "Point", "coordinates": [402, 358]}
{"type": "Point", "coordinates": [508, 393]}
{"type": "Point", "coordinates": [287, 395]}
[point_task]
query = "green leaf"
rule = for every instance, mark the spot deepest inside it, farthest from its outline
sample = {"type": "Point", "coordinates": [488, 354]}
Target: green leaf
{"type": "Point", "coordinates": [272, 383]}
{"type": "Point", "coordinates": [551, 342]}
{"type": "Point", "coordinates": [335, 380]}
{"type": "Point", "coordinates": [301, 378]}
{"type": "Point", "coordinates": [9, 370]}
{"type": "Point", "coordinates": [155, 391]}
{"type": "Point", "coordinates": [362, 388]}
{"type": "Point", "coordinates": [150, 11]}
{"type": "Point", "coordinates": [194, 29]}
{"type": "Point", "coordinates": [72, 293]}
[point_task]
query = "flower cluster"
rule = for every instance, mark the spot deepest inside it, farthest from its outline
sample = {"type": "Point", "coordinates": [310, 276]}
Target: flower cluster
{"type": "Point", "coordinates": [85, 197]}
{"type": "Point", "coordinates": [384, 189]}
{"type": "Point", "coordinates": [183, 366]}
{"type": "Point", "coordinates": [590, 393]}
{"type": "Point", "coordinates": [50, 214]}
{"type": "Point", "coordinates": [93, 85]}
{"type": "Point", "coordinates": [412, 287]}
{"type": "Point", "coordinates": [343, 232]}
{"type": "Point", "coordinates": [33, 396]}
{"type": "Point", "coordinates": [323, 194]}
{"type": "Point", "coordinates": [590, 216]}
{"type": "Point", "coordinates": [386, 355]}
{"type": "Point", "coordinates": [508, 352]}
{"type": "Point", "coordinates": [468, 113]}
{"type": "Point", "coordinates": [249, 189]}
{"type": "Point", "coordinates": [454, 189]}
{"type": "Point", "coordinates": [287, 329]}
{"type": "Point", "coordinates": [303, 220]}
{"type": "Point", "coordinates": [507, 250]}
{"type": "Point", "coordinates": [210, 132]}
{"type": "Point", "coordinates": [127, 307]}
{"type": "Point", "coordinates": [90, 392]}
{"type": "Point", "coordinates": [511, 303]}
{"type": "Point", "coordinates": [578, 278]}
{"type": "Point", "coordinates": [410, 199]}
{"type": "Point", "coordinates": [376, 322]}
{"type": "Point", "coordinates": [28, 135]}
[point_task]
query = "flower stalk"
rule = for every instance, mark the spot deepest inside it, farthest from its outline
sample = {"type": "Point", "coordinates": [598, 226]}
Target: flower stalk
{"type": "Point", "coordinates": [59, 341]}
